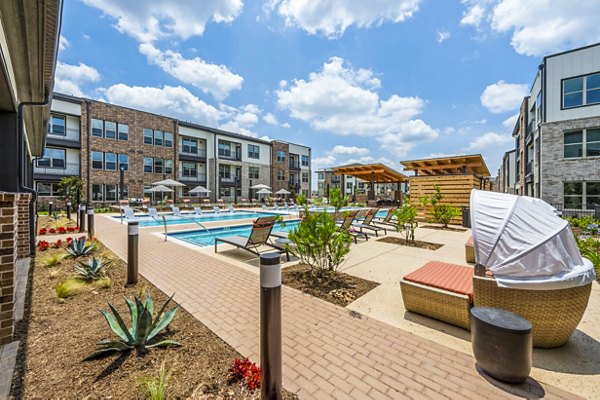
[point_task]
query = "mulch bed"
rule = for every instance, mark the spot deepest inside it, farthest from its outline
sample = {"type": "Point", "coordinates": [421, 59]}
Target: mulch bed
{"type": "Point", "coordinates": [441, 228]}
{"type": "Point", "coordinates": [48, 223]}
{"type": "Point", "coordinates": [57, 335]}
{"type": "Point", "coordinates": [337, 288]}
{"type": "Point", "coordinates": [417, 243]}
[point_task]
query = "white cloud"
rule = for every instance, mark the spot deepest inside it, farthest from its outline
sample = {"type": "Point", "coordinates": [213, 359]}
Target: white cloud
{"type": "Point", "coordinates": [442, 36]}
{"type": "Point", "coordinates": [510, 121]}
{"type": "Point", "coordinates": [271, 119]}
{"type": "Point", "coordinates": [350, 150]}
{"type": "Point", "coordinates": [540, 28]}
{"type": "Point", "coordinates": [501, 96]}
{"type": "Point", "coordinates": [332, 17]}
{"type": "Point", "coordinates": [155, 19]}
{"type": "Point", "coordinates": [322, 162]}
{"type": "Point", "coordinates": [344, 101]}
{"type": "Point", "coordinates": [68, 78]}
{"type": "Point", "coordinates": [217, 80]}
{"type": "Point", "coordinates": [489, 139]}
{"type": "Point", "coordinates": [63, 43]}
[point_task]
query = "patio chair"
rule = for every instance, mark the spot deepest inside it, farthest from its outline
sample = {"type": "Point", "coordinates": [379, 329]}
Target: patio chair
{"type": "Point", "coordinates": [176, 211]}
{"type": "Point", "coordinates": [346, 226]}
{"type": "Point", "coordinates": [186, 203]}
{"type": "Point", "coordinates": [387, 220]}
{"type": "Point", "coordinates": [231, 208]}
{"type": "Point", "coordinates": [220, 202]}
{"type": "Point", "coordinates": [259, 236]}
{"type": "Point", "coordinates": [367, 223]}
{"type": "Point", "coordinates": [153, 213]}
{"type": "Point", "coordinates": [197, 211]}
{"type": "Point", "coordinates": [216, 210]}
{"type": "Point", "coordinates": [206, 202]}
{"type": "Point", "coordinates": [128, 211]}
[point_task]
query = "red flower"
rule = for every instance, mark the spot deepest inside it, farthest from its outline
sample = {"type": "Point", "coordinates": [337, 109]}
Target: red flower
{"type": "Point", "coordinates": [69, 240]}
{"type": "Point", "coordinates": [252, 377]}
{"type": "Point", "coordinates": [43, 231]}
{"type": "Point", "coordinates": [62, 230]}
{"type": "Point", "coordinates": [43, 245]}
{"type": "Point", "coordinates": [57, 244]}
{"type": "Point", "coordinates": [76, 228]}
{"type": "Point", "coordinates": [52, 230]}
{"type": "Point", "coordinates": [244, 369]}
{"type": "Point", "coordinates": [70, 229]}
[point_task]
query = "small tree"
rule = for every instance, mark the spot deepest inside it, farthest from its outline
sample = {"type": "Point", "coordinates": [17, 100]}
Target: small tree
{"type": "Point", "coordinates": [440, 213]}
{"type": "Point", "coordinates": [301, 199]}
{"type": "Point", "coordinates": [70, 188]}
{"type": "Point", "coordinates": [337, 199]}
{"type": "Point", "coordinates": [406, 218]}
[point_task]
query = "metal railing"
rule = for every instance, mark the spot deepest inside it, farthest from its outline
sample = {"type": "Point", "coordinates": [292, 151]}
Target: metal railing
{"type": "Point", "coordinates": [230, 179]}
{"type": "Point", "coordinates": [229, 155]}
{"type": "Point", "coordinates": [192, 178]}
{"type": "Point", "coordinates": [294, 164]}
{"type": "Point", "coordinates": [68, 134]}
{"type": "Point", "coordinates": [529, 168]}
{"type": "Point", "coordinates": [190, 151]}
{"type": "Point", "coordinates": [69, 169]}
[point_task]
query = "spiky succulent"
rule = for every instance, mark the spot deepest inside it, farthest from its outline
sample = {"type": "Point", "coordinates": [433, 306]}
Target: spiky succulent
{"type": "Point", "coordinates": [144, 327]}
{"type": "Point", "coordinates": [94, 269]}
{"type": "Point", "coordinates": [79, 247]}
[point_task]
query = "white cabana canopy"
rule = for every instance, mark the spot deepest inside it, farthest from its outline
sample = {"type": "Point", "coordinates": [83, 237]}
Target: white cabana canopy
{"type": "Point", "coordinates": [525, 244]}
{"type": "Point", "coordinates": [282, 191]}
{"type": "Point", "coordinates": [264, 191]}
{"type": "Point", "coordinates": [169, 182]}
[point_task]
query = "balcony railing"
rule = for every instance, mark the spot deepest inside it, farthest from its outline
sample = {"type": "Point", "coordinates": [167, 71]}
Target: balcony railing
{"type": "Point", "coordinates": [192, 151]}
{"type": "Point", "coordinates": [529, 168]}
{"type": "Point", "coordinates": [70, 134]}
{"type": "Point", "coordinates": [192, 178]}
{"type": "Point", "coordinates": [336, 179]}
{"type": "Point", "coordinates": [230, 155]}
{"type": "Point", "coordinates": [229, 179]}
{"type": "Point", "coordinates": [69, 169]}
{"type": "Point", "coordinates": [294, 164]}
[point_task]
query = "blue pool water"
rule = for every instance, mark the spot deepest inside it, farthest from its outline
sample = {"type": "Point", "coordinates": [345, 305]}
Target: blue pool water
{"type": "Point", "coordinates": [207, 237]}
{"type": "Point", "coordinates": [147, 221]}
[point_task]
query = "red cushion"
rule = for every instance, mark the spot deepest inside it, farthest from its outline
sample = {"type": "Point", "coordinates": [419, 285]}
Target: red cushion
{"type": "Point", "coordinates": [469, 241]}
{"type": "Point", "coordinates": [451, 277]}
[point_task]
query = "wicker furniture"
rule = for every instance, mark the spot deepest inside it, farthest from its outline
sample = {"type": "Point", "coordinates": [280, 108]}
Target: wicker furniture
{"type": "Point", "coordinates": [441, 291]}
{"type": "Point", "coordinates": [554, 314]}
{"type": "Point", "coordinates": [470, 250]}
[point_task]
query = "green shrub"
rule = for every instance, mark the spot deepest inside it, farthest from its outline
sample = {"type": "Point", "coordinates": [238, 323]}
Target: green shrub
{"type": "Point", "coordinates": [69, 287]}
{"type": "Point", "coordinates": [337, 200]}
{"type": "Point", "coordinates": [407, 220]}
{"type": "Point", "coordinates": [301, 199]}
{"type": "Point", "coordinates": [582, 222]}
{"type": "Point", "coordinates": [144, 327]}
{"type": "Point", "coordinates": [93, 269]}
{"type": "Point", "coordinates": [589, 248]}
{"type": "Point", "coordinates": [53, 260]}
{"type": "Point", "coordinates": [80, 247]}
{"type": "Point", "coordinates": [440, 213]}
{"type": "Point", "coordinates": [155, 387]}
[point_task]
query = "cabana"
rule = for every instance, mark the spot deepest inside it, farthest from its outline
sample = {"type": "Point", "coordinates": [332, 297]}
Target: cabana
{"type": "Point", "coordinates": [456, 176]}
{"type": "Point", "coordinates": [374, 174]}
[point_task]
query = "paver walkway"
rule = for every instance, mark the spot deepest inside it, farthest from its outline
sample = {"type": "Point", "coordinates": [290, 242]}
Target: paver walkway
{"type": "Point", "coordinates": [329, 351]}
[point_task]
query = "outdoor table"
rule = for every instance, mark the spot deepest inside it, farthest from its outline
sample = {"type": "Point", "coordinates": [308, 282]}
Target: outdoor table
{"type": "Point", "coordinates": [283, 241]}
{"type": "Point", "coordinates": [502, 343]}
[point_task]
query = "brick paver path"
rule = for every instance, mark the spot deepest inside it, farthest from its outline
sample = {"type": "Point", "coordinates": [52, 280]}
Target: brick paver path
{"type": "Point", "coordinates": [329, 351]}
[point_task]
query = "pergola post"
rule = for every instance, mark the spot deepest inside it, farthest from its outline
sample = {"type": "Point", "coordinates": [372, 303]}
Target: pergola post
{"type": "Point", "coordinates": [372, 191]}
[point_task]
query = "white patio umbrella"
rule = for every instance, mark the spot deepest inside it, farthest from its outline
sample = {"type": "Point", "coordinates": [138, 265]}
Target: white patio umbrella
{"type": "Point", "coordinates": [260, 186]}
{"type": "Point", "coordinates": [264, 191]}
{"type": "Point", "coordinates": [199, 189]}
{"type": "Point", "coordinates": [159, 189]}
{"type": "Point", "coordinates": [525, 244]}
{"type": "Point", "coordinates": [169, 182]}
{"type": "Point", "coordinates": [282, 191]}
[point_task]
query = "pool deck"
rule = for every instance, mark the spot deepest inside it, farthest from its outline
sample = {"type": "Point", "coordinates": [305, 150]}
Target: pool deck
{"type": "Point", "coordinates": [329, 351]}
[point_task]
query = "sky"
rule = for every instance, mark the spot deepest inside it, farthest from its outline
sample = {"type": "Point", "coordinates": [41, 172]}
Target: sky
{"type": "Point", "coordinates": [357, 80]}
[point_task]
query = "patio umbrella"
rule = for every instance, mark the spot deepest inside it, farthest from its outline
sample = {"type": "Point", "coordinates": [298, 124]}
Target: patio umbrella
{"type": "Point", "coordinates": [169, 182]}
{"type": "Point", "coordinates": [199, 189]}
{"type": "Point", "coordinates": [525, 244]}
{"type": "Point", "coordinates": [158, 189]}
{"type": "Point", "coordinates": [260, 186]}
{"type": "Point", "coordinates": [282, 191]}
{"type": "Point", "coordinates": [264, 191]}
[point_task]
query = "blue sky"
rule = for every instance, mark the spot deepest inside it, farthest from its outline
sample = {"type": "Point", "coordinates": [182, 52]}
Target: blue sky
{"type": "Point", "coordinates": [357, 80]}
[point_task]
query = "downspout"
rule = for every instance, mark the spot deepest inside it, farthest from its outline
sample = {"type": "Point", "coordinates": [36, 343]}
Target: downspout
{"type": "Point", "coordinates": [217, 183]}
{"type": "Point", "coordinates": [89, 154]}
{"type": "Point", "coordinates": [21, 162]}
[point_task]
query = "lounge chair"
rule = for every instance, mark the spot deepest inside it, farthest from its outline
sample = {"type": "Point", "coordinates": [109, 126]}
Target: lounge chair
{"type": "Point", "coordinates": [387, 220]}
{"type": "Point", "coordinates": [197, 210]}
{"type": "Point", "coordinates": [128, 211]}
{"type": "Point", "coordinates": [176, 211]}
{"type": "Point", "coordinates": [220, 201]}
{"type": "Point", "coordinates": [153, 213]}
{"type": "Point", "coordinates": [216, 210]}
{"type": "Point", "coordinates": [367, 223]}
{"type": "Point", "coordinates": [346, 226]}
{"type": "Point", "coordinates": [206, 202]}
{"type": "Point", "coordinates": [186, 203]}
{"type": "Point", "coordinates": [259, 236]}
{"type": "Point", "coordinates": [231, 208]}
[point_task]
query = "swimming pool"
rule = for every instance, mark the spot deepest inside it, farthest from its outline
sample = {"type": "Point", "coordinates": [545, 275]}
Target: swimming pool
{"type": "Point", "coordinates": [206, 237]}
{"type": "Point", "coordinates": [186, 218]}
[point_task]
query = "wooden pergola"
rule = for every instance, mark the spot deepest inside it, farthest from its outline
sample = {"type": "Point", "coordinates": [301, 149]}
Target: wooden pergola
{"type": "Point", "coordinates": [373, 173]}
{"type": "Point", "coordinates": [470, 164]}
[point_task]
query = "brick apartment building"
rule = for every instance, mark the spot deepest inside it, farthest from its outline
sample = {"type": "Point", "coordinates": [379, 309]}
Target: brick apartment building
{"type": "Point", "coordinates": [96, 140]}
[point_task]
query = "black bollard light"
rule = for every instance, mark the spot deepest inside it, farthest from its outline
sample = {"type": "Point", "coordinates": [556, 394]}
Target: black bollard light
{"type": "Point", "coordinates": [50, 208]}
{"type": "Point", "coordinates": [68, 210]}
{"type": "Point", "coordinates": [133, 233]}
{"type": "Point", "coordinates": [81, 218]}
{"type": "Point", "coordinates": [270, 326]}
{"type": "Point", "coordinates": [90, 216]}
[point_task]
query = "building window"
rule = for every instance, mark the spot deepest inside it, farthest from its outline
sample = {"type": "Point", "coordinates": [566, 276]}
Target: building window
{"type": "Point", "coordinates": [224, 171]}
{"type": "Point", "coordinates": [320, 176]}
{"type": "Point", "coordinates": [168, 166]}
{"type": "Point", "coordinates": [592, 142]}
{"type": "Point", "coordinates": [123, 162]}
{"type": "Point", "coordinates": [97, 160]}
{"type": "Point", "coordinates": [253, 172]}
{"type": "Point", "coordinates": [321, 185]}
{"type": "Point", "coordinates": [148, 164]}
{"type": "Point", "coordinates": [123, 132]}
{"type": "Point", "coordinates": [581, 91]}
{"type": "Point", "coordinates": [53, 158]}
{"type": "Point", "coordinates": [582, 143]}
{"type": "Point", "coordinates": [592, 195]}
{"type": "Point", "coordinates": [110, 161]}
{"type": "Point", "coordinates": [147, 136]}
{"type": "Point", "coordinates": [158, 166]}
{"type": "Point", "coordinates": [225, 149]}
{"type": "Point", "coordinates": [45, 189]}
{"type": "Point", "coordinates": [110, 130]}
{"type": "Point", "coordinates": [158, 138]}
{"type": "Point", "coordinates": [573, 144]}
{"type": "Point", "coordinates": [57, 125]}
{"type": "Point", "coordinates": [168, 139]}
{"type": "Point", "coordinates": [110, 192]}
{"type": "Point", "coordinates": [189, 169]}
{"type": "Point", "coordinates": [581, 195]}
{"type": "Point", "coordinates": [280, 156]}
{"type": "Point", "coordinates": [225, 191]}
{"type": "Point", "coordinates": [305, 161]}
{"type": "Point", "coordinates": [97, 128]}
{"type": "Point", "coordinates": [189, 146]}
{"type": "Point", "coordinates": [253, 151]}
{"type": "Point", "coordinates": [305, 177]}
{"type": "Point", "coordinates": [280, 175]}
{"type": "Point", "coordinates": [97, 192]}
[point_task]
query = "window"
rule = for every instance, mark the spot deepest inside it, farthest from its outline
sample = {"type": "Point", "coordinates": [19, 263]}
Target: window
{"type": "Point", "coordinates": [97, 128]}
{"type": "Point", "coordinates": [158, 138]}
{"type": "Point", "coordinates": [320, 176]}
{"type": "Point", "coordinates": [158, 166]}
{"type": "Point", "coordinates": [168, 139]}
{"type": "Point", "coordinates": [110, 161]}
{"type": "Point", "coordinates": [592, 142]}
{"type": "Point", "coordinates": [123, 162]}
{"type": "Point", "coordinates": [110, 192]}
{"type": "Point", "coordinates": [123, 132]}
{"type": "Point", "coordinates": [189, 169]}
{"type": "Point", "coordinates": [582, 143]}
{"type": "Point", "coordinates": [581, 195]}
{"type": "Point", "coordinates": [97, 192]}
{"type": "Point", "coordinates": [573, 144]}
{"type": "Point", "coordinates": [225, 149]}
{"type": "Point", "coordinates": [538, 102]}
{"type": "Point", "coordinates": [280, 156]}
{"type": "Point", "coordinates": [225, 191]}
{"type": "Point", "coordinates": [592, 195]}
{"type": "Point", "coordinates": [253, 151]}
{"type": "Point", "coordinates": [168, 166]}
{"type": "Point", "coordinates": [97, 160]}
{"type": "Point", "coordinates": [147, 136]}
{"type": "Point", "coordinates": [148, 164]}
{"type": "Point", "coordinates": [280, 175]}
{"type": "Point", "coordinates": [305, 161]}
{"type": "Point", "coordinates": [47, 188]}
{"type": "Point", "coordinates": [57, 125]}
{"type": "Point", "coordinates": [110, 130]}
{"type": "Point", "coordinates": [224, 171]}
{"type": "Point", "coordinates": [581, 91]}
{"type": "Point", "coordinates": [189, 146]}
{"type": "Point", "coordinates": [253, 172]}
{"type": "Point", "coordinates": [349, 185]}
{"type": "Point", "coordinates": [53, 158]}
{"type": "Point", "coordinates": [305, 177]}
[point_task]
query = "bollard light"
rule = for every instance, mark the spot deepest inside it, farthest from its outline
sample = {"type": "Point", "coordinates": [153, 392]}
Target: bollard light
{"type": "Point", "coordinates": [90, 216]}
{"type": "Point", "coordinates": [133, 232]}
{"type": "Point", "coordinates": [82, 218]}
{"type": "Point", "coordinates": [50, 208]}
{"type": "Point", "coordinates": [68, 210]}
{"type": "Point", "coordinates": [270, 326]}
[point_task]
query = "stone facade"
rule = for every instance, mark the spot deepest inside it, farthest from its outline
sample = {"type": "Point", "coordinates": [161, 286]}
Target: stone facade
{"type": "Point", "coordinates": [23, 235]}
{"type": "Point", "coordinates": [9, 212]}
{"type": "Point", "coordinates": [555, 168]}
{"type": "Point", "coordinates": [280, 166]}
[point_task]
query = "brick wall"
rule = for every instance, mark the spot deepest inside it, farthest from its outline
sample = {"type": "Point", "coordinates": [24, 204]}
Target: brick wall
{"type": "Point", "coordinates": [8, 256]}
{"type": "Point", "coordinates": [135, 178]}
{"type": "Point", "coordinates": [279, 165]}
{"type": "Point", "coordinates": [23, 238]}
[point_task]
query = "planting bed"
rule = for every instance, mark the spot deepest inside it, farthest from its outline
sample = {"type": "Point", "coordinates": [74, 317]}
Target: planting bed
{"type": "Point", "coordinates": [417, 243]}
{"type": "Point", "coordinates": [441, 228]}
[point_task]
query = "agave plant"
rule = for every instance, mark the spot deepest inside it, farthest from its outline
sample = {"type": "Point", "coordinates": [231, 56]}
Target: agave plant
{"type": "Point", "coordinates": [79, 247]}
{"type": "Point", "coordinates": [94, 269]}
{"type": "Point", "coordinates": [143, 330]}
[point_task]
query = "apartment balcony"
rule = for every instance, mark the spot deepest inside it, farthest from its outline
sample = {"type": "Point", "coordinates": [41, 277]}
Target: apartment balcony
{"type": "Point", "coordinates": [294, 165]}
{"type": "Point", "coordinates": [70, 169]}
{"type": "Point", "coordinates": [198, 178]}
{"type": "Point", "coordinates": [70, 138]}
{"type": "Point", "coordinates": [529, 172]}
{"type": "Point", "coordinates": [187, 153]}
{"type": "Point", "coordinates": [294, 184]}
{"type": "Point", "coordinates": [229, 181]}
{"type": "Point", "coordinates": [230, 155]}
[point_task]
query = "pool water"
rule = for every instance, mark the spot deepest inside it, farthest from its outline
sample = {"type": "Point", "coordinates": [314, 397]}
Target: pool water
{"type": "Point", "coordinates": [206, 237]}
{"type": "Point", "coordinates": [147, 221]}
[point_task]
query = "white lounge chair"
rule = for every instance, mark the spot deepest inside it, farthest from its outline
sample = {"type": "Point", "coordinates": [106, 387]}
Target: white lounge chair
{"type": "Point", "coordinates": [176, 211]}
{"type": "Point", "coordinates": [216, 210]}
{"type": "Point", "coordinates": [197, 211]}
{"type": "Point", "coordinates": [153, 213]}
{"type": "Point", "coordinates": [231, 208]}
{"type": "Point", "coordinates": [128, 211]}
